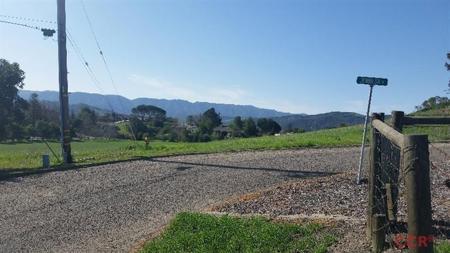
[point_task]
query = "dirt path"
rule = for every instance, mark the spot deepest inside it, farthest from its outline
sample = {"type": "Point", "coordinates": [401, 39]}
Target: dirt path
{"type": "Point", "coordinates": [115, 207]}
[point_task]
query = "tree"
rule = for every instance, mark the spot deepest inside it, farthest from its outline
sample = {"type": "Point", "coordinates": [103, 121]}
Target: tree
{"type": "Point", "coordinates": [149, 112]}
{"type": "Point", "coordinates": [48, 130]}
{"type": "Point", "coordinates": [448, 66]}
{"type": "Point", "coordinates": [35, 111]}
{"type": "Point", "coordinates": [88, 117]}
{"type": "Point", "coordinates": [268, 126]}
{"type": "Point", "coordinates": [209, 120]}
{"type": "Point", "coordinates": [11, 105]}
{"type": "Point", "coordinates": [236, 126]}
{"type": "Point", "coordinates": [250, 128]}
{"type": "Point", "coordinates": [434, 103]}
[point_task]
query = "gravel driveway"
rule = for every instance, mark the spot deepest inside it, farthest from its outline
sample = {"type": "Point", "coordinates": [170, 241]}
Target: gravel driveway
{"type": "Point", "coordinates": [116, 207]}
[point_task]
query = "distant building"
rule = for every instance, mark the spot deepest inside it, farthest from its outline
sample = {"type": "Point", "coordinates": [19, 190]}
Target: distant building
{"type": "Point", "coordinates": [222, 132]}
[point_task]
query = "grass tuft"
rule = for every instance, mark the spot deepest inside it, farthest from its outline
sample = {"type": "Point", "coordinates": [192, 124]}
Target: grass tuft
{"type": "Point", "coordinates": [194, 232]}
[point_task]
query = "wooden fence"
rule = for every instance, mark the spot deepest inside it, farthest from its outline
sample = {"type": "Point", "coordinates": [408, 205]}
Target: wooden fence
{"type": "Point", "coordinates": [396, 157]}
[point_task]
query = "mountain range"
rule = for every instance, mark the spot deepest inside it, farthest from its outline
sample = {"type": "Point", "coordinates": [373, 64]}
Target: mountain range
{"type": "Point", "coordinates": [319, 121]}
{"type": "Point", "coordinates": [180, 109]}
{"type": "Point", "coordinates": [176, 108]}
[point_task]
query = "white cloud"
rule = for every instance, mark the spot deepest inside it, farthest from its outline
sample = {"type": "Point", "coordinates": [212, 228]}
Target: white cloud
{"type": "Point", "coordinates": [157, 88]}
{"type": "Point", "coordinates": [359, 106]}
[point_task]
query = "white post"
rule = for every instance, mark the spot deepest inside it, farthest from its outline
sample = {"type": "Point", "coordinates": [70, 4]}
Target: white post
{"type": "Point", "coordinates": [363, 145]}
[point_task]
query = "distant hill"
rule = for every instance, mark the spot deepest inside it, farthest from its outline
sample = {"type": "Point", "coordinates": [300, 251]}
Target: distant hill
{"type": "Point", "coordinates": [443, 111]}
{"type": "Point", "coordinates": [174, 107]}
{"type": "Point", "coordinates": [319, 121]}
{"type": "Point", "coordinates": [73, 108]}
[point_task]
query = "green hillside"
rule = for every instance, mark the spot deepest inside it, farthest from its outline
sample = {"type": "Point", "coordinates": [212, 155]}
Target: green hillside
{"type": "Point", "coordinates": [444, 111]}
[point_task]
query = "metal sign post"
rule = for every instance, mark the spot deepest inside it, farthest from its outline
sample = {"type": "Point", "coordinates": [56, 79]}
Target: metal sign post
{"type": "Point", "coordinates": [371, 81]}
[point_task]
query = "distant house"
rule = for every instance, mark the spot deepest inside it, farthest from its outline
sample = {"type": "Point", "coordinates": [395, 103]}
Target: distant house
{"type": "Point", "coordinates": [191, 128]}
{"type": "Point", "coordinates": [222, 132]}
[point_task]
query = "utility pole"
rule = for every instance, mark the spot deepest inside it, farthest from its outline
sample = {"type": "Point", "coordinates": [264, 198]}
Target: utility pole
{"type": "Point", "coordinates": [63, 86]}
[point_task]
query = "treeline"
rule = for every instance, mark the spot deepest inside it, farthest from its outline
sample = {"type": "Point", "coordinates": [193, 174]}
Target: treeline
{"type": "Point", "coordinates": [151, 121]}
{"type": "Point", "coordinates": [22, 119]}
{"type": "Point", "coordinates": [436, 102]}
{"type": "Point", "coordinates": [35, 118]}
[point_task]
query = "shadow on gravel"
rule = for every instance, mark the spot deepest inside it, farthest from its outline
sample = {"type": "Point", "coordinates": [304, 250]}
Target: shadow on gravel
{"type": "Point", "coordinates": [10, 174]}
{"type": "Point", "coordinates": [289, 173]}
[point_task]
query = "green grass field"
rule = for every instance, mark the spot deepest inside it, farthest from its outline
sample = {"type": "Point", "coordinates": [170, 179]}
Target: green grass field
{"type": "Point", "coordinates": [435, 133]}
{"type": "Point", "coordinates": [192, 232]}
{"type": "Point", "coordinates": [28, 155]}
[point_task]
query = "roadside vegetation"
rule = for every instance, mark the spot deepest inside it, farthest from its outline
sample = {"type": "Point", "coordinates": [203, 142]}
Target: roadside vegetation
{"type": "Point", "coordinates": [434, 106]}
{"type": "Point", "coordinates": [193, 232]}
{"type": "Point", "coordinates": [28, 154]}
{"type": "Point", "coordinates": [443, 247]}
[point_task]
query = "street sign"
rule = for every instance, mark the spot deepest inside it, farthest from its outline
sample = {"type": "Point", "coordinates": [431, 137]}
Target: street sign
{"type": "Point", "coordinates": [372, 80]}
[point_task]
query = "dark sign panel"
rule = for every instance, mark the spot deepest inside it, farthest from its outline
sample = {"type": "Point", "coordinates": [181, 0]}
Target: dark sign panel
{"type": "Point", "coordinates": [372, 80]}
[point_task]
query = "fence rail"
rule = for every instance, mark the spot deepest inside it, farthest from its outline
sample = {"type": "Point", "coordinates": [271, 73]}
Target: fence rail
{"type": "Point", "coordinates": [426, 120]}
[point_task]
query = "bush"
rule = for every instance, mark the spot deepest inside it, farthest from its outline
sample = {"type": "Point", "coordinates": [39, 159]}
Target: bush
{"type": "Point", "coordinates": [204, 138]}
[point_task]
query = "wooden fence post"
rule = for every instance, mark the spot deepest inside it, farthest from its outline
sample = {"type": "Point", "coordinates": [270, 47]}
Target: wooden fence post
{"type": "Point", "coordinates": [397, 120]}
{"type": "Point", "coordinates": [417, 180]}
{"type": "Point", "coordinates": [378, 232]}
{"type": "Point", "coordinates": [374, 171]}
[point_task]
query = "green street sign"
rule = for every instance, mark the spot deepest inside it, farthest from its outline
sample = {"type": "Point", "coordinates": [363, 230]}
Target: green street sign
{"type": "Point", "coordinates": [372, 80]}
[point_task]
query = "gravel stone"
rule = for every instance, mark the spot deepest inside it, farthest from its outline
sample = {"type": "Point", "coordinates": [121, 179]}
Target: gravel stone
{"type": "Point", "coordinates": [113, 208]}
{"type": "Point", "coordinates": [116, 207]}
{"type": "Point", "coordinates": [340, 195]}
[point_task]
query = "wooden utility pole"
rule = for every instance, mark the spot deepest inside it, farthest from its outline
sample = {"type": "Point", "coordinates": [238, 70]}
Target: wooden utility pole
{"type": "Point", "coordinates": [63, 86]}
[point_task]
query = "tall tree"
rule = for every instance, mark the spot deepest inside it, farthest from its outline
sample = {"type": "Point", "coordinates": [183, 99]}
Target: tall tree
{"type": "Point", "coordinates": [268, 126]}
{"type": "Point", "coordinates": [209, 120]}
{"type": "Point", "coordinates": [88, 117]}
{"type": "Point", "coordinates": [149, 112]}
{"type": "Point", "coordinates": [11, 105]}
{"type": "Point", "coordinates": [434, 103]}
{"type": "Point", "coordinates": [250, 128]}
{"type": "Point", "coordinates": [448, 68]}
{"type": "Point", "coordinates": [35, 111]}
{"type": "Point", "coordinates": [236, 126]}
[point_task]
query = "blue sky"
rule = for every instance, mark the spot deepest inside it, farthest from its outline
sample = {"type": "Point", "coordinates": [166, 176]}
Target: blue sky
{"type": "Point", "coordinates": [294, 56]}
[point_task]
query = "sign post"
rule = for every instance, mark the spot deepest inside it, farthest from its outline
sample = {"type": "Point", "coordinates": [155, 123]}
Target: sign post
{"type": "Point", "coordinates": [371, 81]}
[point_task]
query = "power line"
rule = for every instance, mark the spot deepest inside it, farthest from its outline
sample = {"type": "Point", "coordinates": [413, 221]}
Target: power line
{"type": "Point", "coordinates": [98, 46]}
{"type": "Point", "coordinates": [20, 24]}
{"type": "Point", "coordinates": [91, 73]}
{"type": "Point", "coordinates": [28, 19]}
{"type": "Point", "coordinates": [46, 31]}
{"type": "Point", "coordinates": [90, 25]}
{"type": "Point", "coordinates": [49, 32]}
{"type": "Point", "coordinates": [86, 66]}
{"type": "Point", "coordinates": [103, 58]}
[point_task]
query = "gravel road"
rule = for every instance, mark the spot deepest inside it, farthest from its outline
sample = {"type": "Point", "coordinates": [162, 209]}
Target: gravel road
{"type": "Point", "coordinates": [115, 207]}
{"type": "Point", "coordinates": [338, 195]}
